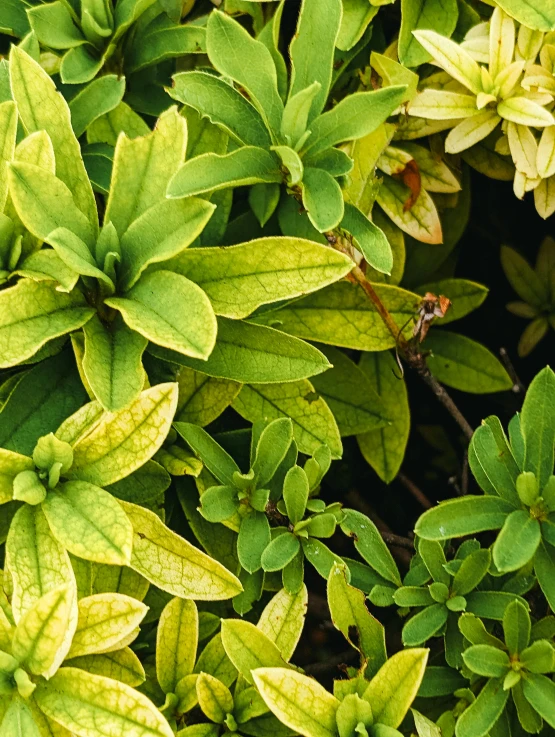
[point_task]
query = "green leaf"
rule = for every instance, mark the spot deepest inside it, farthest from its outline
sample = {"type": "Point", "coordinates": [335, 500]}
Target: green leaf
{"type": "Point", "coordinates": [322, 199]}
{"type": "Point", "coordinates": [89, 523]}
{"type": "Point", "coordinates": [517, 542]}
{"type": "Point", "coordinates": [282, 620]}
{"type": "Point", "coordinates": [223, 105]}
{"type": "Point", "coordinates": [516, 627]}
{"type": "Point", "coordinates": [240, 278]}
{"type": "Point", "coordinates": [354, 117]}
{"type": "Point", "coordinates": [121, 442]}
{"type": "Point", "coordinates": [11, 464]}
{"type": "Point", "coordinates": [94, 705]}
{"type": "Point", "coordinates": [214, 457]}
{"type": "Point", "coordinates": [350, 395]}
{"type": "Point", "coordinates": [214, 698]}
{"type": "Point", "coordinates": [13, 19]}
{"type": "Point", "coordinates": [159, 44]}
{"type": "Point", "coordinates": [537, 422]}
{"type": "Point", "coordinates": [312, 50]}
{"type": "Point", "coordinates": [351, 617]}
{"type": "Point", "coordinates": [105, 620]}
{"type": "Point", "coordinates": [43, 635]}
{"type": "Point", "coordinates": [425, 624]}
{"type": "Point", "coordinates": [280, 552]}
{"type": "Point", "coordinates": [342, 315]}
{"type": "Point", "coordinates": [31, 314]}
{"type": "Point", "coordinates": [101, 96]}
{"type": "Point", "coordinates": [464, 364]}
{"type": "Point", "coordinates": [299, 702]}
{"type": "Point", "coordinates": [313, 422]}
{"type": "Point", "coordinates": [18, 720]}
{"type": "Point", "coordinates": [418, 219]}
{"type": "Point", "coordinates": [210, 172]}
{"type": "Point", "coordinates": [37, 562]}
{"type": "Point", "coordinates": [356, 17]}
{"type": "Point", "coordinates": [246, 352]}
{"type": "Point", "coordinates": [471, 572]}
{"type": "Point", "coordinates": [370, 544]}
{"type": "Point", "coordinates": [254, 538]}
{"type": "Point", "coordinates": [384, 449]}
{"type": "Point", "coordinates": [540, 693]}
{"type": "Point", "coordinates": [121, 665]}
{"type": "Point", "coordinates": [492, 462]}
{"type": "Point", "coordinates": [176, 643]}
{"type": "Point", "coordinates": [248, 648]}
{"type": "Point", "coordinates": [171, 311]}
{"type": "Point", "coordinates": [173, 564]}
{"type": "Point", "coordinates": [41, 400]}
{"type": "Point", "coordinates": [143, 168]}
{"type": "Point", "coordinates": [437, 15]}
{"type": "Point", "coordinates": [479, 718]}
{"type": "Point", "coordinates": [295, 493]}
{"type": "Point", "coordinates": [369, 239]}
{"type": "Point", "coordinates": [464, 516]}
{"type": "Point", "coordinates": [271, 449]}
{"type": "Point", "coordinates": [486, 660]}
{"type": "Point", "coordinates": [41, 107]}
{"type": "Point", "coordinates": [44, 204]}
{"type": "Point", "coordinates": [296, 113]}
{"type": "Point", "coordinates": [161, 232]}
{"type": "Point", "coordinates": [539, 657]}
{"type": "Point", "coordinates": [112, 362]}
{"type": "Point", "coordinates": [531, 13]}
{"type": "Point", "coordinates": [395, 685]}
{"type": "Point", "coordinates": [544, 567]}
{"type": "Point", "coordinates": [8, 130]}
{"type": "Point", "coordinates": [248, 62]}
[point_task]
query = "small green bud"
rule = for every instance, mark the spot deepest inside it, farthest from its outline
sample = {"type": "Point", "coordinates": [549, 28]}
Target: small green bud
{"type": "Point", "coordinates": [49, 450]}
{"type": "Point", "coordinates": [511, 679]}
{"type": "Point", "coordinates": [27, 487]}
{"type": "Point", "coordinates": [230, 723]}
{"type": "Point", "coordinates": [25, 685]}
{"type": "Point", "coordinates": [527, 488]}
{"type": "Point", "coordinates": [456, 604]}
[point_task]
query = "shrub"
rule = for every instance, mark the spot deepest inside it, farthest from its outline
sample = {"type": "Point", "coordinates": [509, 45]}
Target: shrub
{"type": "Point", "coordinates": [232, 240]}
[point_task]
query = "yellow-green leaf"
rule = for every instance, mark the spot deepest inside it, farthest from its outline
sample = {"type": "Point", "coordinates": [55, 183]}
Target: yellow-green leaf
{"type": "Point", "coordinates": [95, 706]}
{"type": "Point", "coordinates": [173, 564]}
{"type": "Point", "coordinates": [43, 635]}
{"type": "Point", "coordinates": [282, 620]}
{"type": "Point", "coordinates": [104, 620]}
{"type": "Point", "coordinates": [121, 665]}
{"type": "Point", "coordinates": [176, 643]}
{"type": "Point", "coordinates": [120, 442]}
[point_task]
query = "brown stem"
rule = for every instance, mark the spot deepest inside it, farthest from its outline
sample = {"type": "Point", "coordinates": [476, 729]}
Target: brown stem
{"type": "Point", "coordinates": [419, 495]}
{"type": "Point", "coordinates": [400, 542]}
{"type": "Point", "coordinates": [410, 352]}
{"type": "Point", "coordinates": [336, 661]}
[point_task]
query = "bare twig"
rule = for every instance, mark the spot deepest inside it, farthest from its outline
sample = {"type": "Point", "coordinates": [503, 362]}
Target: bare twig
{"type": "Point", "coordinates": [417, 493]}
{"type": "Point", "coordinates": [410, 351]}
{"type": "Point", "coordinates": [401, 542]}
{"type": "Point", "coordinates": [518, 386]}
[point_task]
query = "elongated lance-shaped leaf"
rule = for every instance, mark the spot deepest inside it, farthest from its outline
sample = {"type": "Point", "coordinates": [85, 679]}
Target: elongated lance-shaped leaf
{"type": "Point", "coordinates": [35, 559]}
{"type": "Point", "coordinates": [537, 422]}
{"type": "Point", "coordinates": [18, 720]}
{"type": "Point", "coordinates": [142, 169]}
{"type": "Point", "coordinates": [282, 620]}
{"type": "Point", "coordinates": [452, 58]}
{"type": "Point", "coordinates": [89, 523]}
{"type": "Point", "coordinates": [104, 620]}
{"type": "Point", "coordinates": [90, 705]}
{"type": "Point", "coordinates": [298, 701]}
{"type": "Point", "coordinates": [210, 172]}
{"type": "Point", "coordinates": [215, 458]}
{"type": "Point", "coordinates": [248, 648]}
{"type": "Point", "coordinates": [173, 564]}
{"type": "Point", "coordinates": [246, 352]}
{"type": "Point", "coordinates": [431, 14]}
{"type": "Point", "coordinates": [322, 198]}
{"type": "Point", "coordinates": [121, 665]}
{"type": "Point", "coordinates": [162, 231]}
{"type": "Point", "coordinates": [112, 362]}
{"type": "Point", "coordinates": [395, 685]}
{"type": "Point", "coordinates": [236, 54]}
{"type": "Point", "coordinates": [369, 239]}
{"type": "Point", "coordinates": [312, 50]}
{"type": "Point", "coordinates": [370, 545]}
{"type": "Point", "coordinates": [121, 442]}
{"type": "Point", "coordinates": [42, 107]}
{"type": "Point", "coordinates": [43, 635]}
{"type": "Point", "coordinates": [465, 516]}
{"type": "Point", "coordinates": [45, 203]}
{"type": "Point", "coordinates": [223, 105]}
{"type": "Point", "coordinates": [241, 278]}
{"type": "Point", "coordinates": [354, 117]}
{"type": "Point", "coordinates": [176, 643]}
{"type": "Point", "coordinates": [171, 311]}
{"type": "Point", "coordinates": [8, 130]}
{"type": "Point", "coordinates": [31, 314]}
{"type": "Point", "coordinates": [482, 714]}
